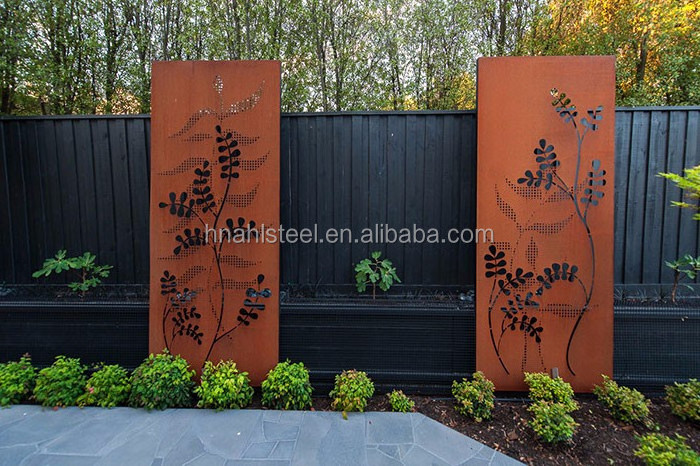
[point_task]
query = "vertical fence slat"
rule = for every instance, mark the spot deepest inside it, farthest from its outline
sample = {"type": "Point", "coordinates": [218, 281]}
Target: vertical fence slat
{"type": "Point", "coordinates": [104, 195]}
{"type": "Point", "coordinates": [18, 205]}
{"type": "Point", "coordinates": [636, 186]}
{"type": "Point", "coordinates": [396, 185]}
{"type": "Point", "coordinates": [671, 215]}
{"type": "Point", "coordinates": [86, 187]}
{"type": "Point", "coordinates": [415, 165]}
{"type": "Point", "coordinates": [7, 264]}
{"type": "Point", "coordinates": [140, 195]}
{"type": "Point", "coordinates": [655, 205]}
{"type": "Point", "coordinates": [325, 193]}
{"type": "Point", "coordinates": [342, 194]}
{"type": "Point", "coordinates": [34, 207]}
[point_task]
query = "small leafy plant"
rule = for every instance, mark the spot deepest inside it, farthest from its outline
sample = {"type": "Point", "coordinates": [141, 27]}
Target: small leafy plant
{"type": "Point", "coordinates": [551, 421]}
{"type": "Point", "coordinates": [684, 399]}
{"type": "Point", "coordinates": [287, 386]}
{"type": "Point", "coordinates": [17, 379]}
{"type": "Point", "coordinates": [624, 403]}
{"type": "Point", "coordinates": [62, 383]}
{"type": "Point", "coordinates": [162, 381]}
{"type": "Point", "coordinates": [400, 403]}
{"type": "Point", "coordinates": [89, 274]}
{"type": "Point", "coordinates": [662, 450]}
{"type": "Point", "coordinates": [554, 390]}
{"type": "Point", "coordinates": [685, 267]}
{"type": "Point", "coordinates": [107, 387]}
{"type": "Point", "coordinates": [223, 386]}
{"type": "Point", "coordinates": [476, 398]}
{"type": "Point", "coordinates": [351, 391]}
{"type": "Point", "coordinates": [375, 272]}
{"type": "Point", "coordinates": [690, 183]}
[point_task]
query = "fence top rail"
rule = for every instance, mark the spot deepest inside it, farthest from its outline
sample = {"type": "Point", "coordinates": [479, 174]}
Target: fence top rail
{"type": "Point", "coordinates": [333, 114]}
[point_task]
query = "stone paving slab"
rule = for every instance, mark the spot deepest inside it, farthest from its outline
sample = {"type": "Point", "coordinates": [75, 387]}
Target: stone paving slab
{"type": "Point", "coordinates": [31, 435]}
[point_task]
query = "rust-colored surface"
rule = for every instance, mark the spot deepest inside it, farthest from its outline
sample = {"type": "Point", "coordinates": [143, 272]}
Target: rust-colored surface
{"type": "Point", "coordinates": [545, 285]}
{"type": "Point", "coordinates": [215, 163]}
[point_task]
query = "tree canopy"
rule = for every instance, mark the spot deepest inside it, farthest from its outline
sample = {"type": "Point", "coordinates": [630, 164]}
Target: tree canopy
{"type": "Point", "coordinates": [94, 56]}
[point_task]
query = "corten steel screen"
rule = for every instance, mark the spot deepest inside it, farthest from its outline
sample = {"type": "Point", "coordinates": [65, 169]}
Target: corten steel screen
{"type": "Point", "coordinates": [214, 184]}
{"type": "Point", "coordinates": [545, 172]}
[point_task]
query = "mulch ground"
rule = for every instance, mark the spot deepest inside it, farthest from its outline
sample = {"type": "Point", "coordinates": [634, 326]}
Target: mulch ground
{"type": "Point", "coordinates": [598, 440]}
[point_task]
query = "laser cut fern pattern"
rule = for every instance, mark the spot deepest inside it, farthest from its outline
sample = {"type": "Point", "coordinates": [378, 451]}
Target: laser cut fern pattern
{"type": "Point", "coordinates": [203, 205]}
{"type": "Point", "coordinates": [516, 293]}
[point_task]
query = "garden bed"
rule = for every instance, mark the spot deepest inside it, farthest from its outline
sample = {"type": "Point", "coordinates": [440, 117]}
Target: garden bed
{"type": "Point", "coordinates": [598, 440]}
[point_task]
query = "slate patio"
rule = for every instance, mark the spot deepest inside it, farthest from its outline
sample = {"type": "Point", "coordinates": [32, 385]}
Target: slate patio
{"type": "Point", "coordinates": [31, 435]}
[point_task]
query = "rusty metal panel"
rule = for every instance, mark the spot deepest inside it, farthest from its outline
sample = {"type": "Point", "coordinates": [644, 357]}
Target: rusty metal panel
{"type": "Point", "coordinates": [545, 187]}
{"type": "Point", "coordinates": [215, 177]}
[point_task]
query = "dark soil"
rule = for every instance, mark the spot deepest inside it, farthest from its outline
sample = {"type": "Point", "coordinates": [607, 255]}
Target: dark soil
{"type": "Point", "coordinates": [599, 440]}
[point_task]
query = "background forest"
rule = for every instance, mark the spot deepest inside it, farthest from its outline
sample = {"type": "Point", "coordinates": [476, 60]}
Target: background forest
{"type": "Point", "coordinates": [94, 56]}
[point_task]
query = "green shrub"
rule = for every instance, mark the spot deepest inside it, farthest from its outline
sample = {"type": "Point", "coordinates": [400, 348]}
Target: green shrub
{"type": "Point", "coordinates": [476, 398]}
{"type": "Point", "coordinates": [545, 388]}
{"type": "Point", "coordinates": [17, 380]}
{"type": "Point", "coordinates": [287, 386]}
{"type": "Point", "coordinates": [162, 381]}
{"type": "Point", "coordinates": [551, 421]}
{"type": "Point", "coordinates": [224, 387]}
{"type": "Point", "coordinates": [62, 383]}
{"type": "Point", "coordinates": [624, 403]}
{"type": "Point", "coordinates": [107, 387]}
{"type": "Point", "coordinates": [400, 403]}
{"type": "Point", "coordinates": [661, 450]}
{"type": "Point", "coordinates": [684, 399]}
{"type": "Point", "coordinates": [351, 391]}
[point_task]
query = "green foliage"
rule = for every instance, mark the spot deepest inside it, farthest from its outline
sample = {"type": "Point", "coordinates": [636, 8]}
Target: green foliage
{"type": "Point", "coordinates": [684, 399]}
{"type": "Point", "coordinates": [661, 450]}
{"type": "Point", "coordinates": [287, 386]}
{"type": "Point", "coordinates": [551, 421]}
{"type": "Point", "coordinates": [400, 403]}
{"type": "Point", "coordinates": [62, 383]}
{"type": "Point", "coordinates": [687, 266]}
{"type": "Point", "coordinates": [88, 273]}
{"type": "Point", "coordinates": [545, 388]}
{"type": "Point", "coordinates": [624, 403]}
{"type": "Point", "coordinates": [375, 271]}
{"type": "Point", "coordinates": [162, 381]}
{"type": "Point", "coordinates": [17, 380]}
{"type": "Point", "coordinates": [476, 398]}
{"type": "Point", "coordinates": [224, 387]}
{"type": "Point", "coordinates": [351, 391]}
{"type": "Point", "coordinates": [689, 182]}
{"type": "Point", "coordinates": [107, 387]}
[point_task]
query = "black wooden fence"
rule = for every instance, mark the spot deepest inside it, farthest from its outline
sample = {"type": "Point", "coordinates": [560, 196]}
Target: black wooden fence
{"type": "Point", "coordinates": [82, 183]}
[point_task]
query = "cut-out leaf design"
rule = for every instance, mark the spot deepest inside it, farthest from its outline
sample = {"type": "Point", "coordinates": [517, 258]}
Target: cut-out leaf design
{"type": "Point", "coordinates": [537, 179]}
{"type": "Point", "coordinates": [513, 281]}
{"type": "Point", "coordinates": [546, 156]}
{"type": "Point", "coordinates": [179, 205]}
{"type": "Point", "coordinates": [557, 272]}
{"type": "Point", "coordinates": [593, 115]}
{"type": "Point", "coordinates": [239, 230]}
{"type": "Point", "coordinates": [168, 283]}
{"type": "Point", "coordinates": [189, 238]}
{"type": "Point", "coordinates": [596, 180]}
{"type": "Point", "coordinates": [229, 154]}
{"type": "Point", "coordinates": [495, 262]}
